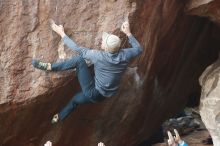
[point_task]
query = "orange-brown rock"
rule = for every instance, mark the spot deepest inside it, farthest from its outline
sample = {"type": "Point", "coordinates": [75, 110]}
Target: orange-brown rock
{"type": "Point", "coordinates": [205, 8]}
{"type": "Point", "coordinates": [177, 49]}
{"type": "Point", "coordinates": [209, 105]}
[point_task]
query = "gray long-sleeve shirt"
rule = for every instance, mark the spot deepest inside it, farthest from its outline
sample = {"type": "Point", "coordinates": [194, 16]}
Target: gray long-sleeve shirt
{"type": "Point", "coordinates": [108, 67]}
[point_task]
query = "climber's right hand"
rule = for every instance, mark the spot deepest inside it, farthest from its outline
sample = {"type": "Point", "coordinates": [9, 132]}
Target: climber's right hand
{"type": "Point", "coordinates": [57, 28]}
{"type": "Point", "coordinates": [125, 27]}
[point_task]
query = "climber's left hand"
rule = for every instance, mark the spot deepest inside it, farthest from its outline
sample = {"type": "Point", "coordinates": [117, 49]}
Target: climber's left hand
{"type": "Point", "coordinates": [57, 28]}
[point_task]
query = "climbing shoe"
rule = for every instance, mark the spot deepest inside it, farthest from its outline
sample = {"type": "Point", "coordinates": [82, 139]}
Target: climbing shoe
{"type": "Point", "coordinates": [55, 119]}
{"type": "Point", "coordinates": [41, 65]}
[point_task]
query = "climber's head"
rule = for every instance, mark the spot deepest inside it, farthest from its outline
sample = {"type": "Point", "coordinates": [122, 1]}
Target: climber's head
{"type": "Point", "coordinates": [110, 43]}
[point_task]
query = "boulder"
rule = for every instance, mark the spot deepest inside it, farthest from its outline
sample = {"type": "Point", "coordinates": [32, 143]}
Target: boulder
{"type": "Point", "coordinates": [205, 8]}
{"type": "Point", "coordinates": [176, 49]}
{"type": "Point", "coordinates": [210, 101]}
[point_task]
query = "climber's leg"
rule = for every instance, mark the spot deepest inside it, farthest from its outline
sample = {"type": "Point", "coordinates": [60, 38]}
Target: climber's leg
{"type": "Point", "coordinates": [84, 76]}
{"type": "Point", "coordinates": [89, 93]}
{"type": "Point", "coordinates": [78, 99]}
{"type": "Point", "coordinates": [64, 65]}
{"type": "Point", "coordinates": [87, 82]}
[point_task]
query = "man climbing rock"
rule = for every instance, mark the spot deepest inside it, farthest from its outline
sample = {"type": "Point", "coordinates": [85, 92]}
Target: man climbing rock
{"type": "Point", "coordinates": [109, 65]}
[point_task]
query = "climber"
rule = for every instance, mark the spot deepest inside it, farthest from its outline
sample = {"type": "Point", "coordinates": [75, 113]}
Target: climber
{"type": "Point", "coordinates": [109, 65]}
{"type": "Point", "coordinates": [176, 140]}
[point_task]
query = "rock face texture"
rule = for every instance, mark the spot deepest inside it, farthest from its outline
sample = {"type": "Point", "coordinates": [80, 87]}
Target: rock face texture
{"type": "Point", "coordinates": [210, 101]}
{"type": "Point", "coordinates": [205, 8]}
{"type": "Point", "coordinates": [177, 49]}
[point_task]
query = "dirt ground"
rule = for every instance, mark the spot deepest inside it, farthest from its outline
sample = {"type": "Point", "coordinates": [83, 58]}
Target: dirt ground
{"type": "Point", "coordinates": [196, 138]}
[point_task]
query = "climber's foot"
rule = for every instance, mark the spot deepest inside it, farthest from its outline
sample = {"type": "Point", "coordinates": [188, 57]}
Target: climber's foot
{"type": "Point", "coordinates": [55, 119]}
{"type": "Point", "coordinates": [41, 65]}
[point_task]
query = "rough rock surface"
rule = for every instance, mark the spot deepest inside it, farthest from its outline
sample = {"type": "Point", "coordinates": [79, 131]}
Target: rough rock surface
{"type": "Point", "coordinates": [205, 8]}
{"type": "Point", "coordinates": [177, 48]}
{"type": "Point", "coordinates": [210, 101]}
